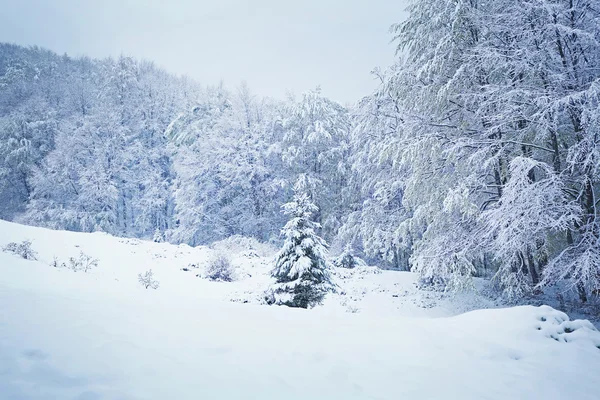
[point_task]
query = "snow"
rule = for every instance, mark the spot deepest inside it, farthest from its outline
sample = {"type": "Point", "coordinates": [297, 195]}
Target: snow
{"type": "Point", "coordinates": [101, 335]}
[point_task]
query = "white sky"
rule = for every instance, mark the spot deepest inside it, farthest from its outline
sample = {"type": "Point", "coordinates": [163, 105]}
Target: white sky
{"type": "Point", "coordinates": [274, 45]}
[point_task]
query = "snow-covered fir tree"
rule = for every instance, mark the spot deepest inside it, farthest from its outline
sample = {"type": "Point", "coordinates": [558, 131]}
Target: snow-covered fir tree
{"type": "Point", "coordinates": [301, 268]}
{"type": "Point", "coordinates": [348, 258]}
{"type": "Point", "coordinates": [158, 237]}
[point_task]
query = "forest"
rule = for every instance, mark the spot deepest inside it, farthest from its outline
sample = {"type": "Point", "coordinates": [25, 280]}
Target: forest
{"type": "Point", "coordinates": [478, 155]}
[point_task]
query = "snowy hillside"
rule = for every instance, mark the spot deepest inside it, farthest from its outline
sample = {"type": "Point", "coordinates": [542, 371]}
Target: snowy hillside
{"type": "Point", "coordinates": [101, 335]}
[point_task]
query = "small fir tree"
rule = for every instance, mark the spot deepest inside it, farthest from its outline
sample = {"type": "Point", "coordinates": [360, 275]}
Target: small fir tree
{"type": "Point", "coordinates": [158, 236]}
{"type": "Point", "coordinates": [301, 268]}
{"type": "Point", "coordinates": [347, 259]}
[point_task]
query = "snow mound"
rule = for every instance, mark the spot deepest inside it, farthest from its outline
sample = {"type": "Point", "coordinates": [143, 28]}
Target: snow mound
{"type": "Point", "coordinates": [557, 325]}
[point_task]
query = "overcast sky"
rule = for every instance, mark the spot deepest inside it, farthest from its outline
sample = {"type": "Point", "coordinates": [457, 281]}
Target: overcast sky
{"type": "Point", "coordinates": [274, 45]}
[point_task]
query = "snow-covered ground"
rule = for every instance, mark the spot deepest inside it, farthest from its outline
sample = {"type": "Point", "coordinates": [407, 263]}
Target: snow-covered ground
{"type": "Point", "coordinates": [101, 335]}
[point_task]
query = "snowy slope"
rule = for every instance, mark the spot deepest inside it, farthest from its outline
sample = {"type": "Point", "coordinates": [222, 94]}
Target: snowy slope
{"type": "Point", "coordinates": [100, 335]}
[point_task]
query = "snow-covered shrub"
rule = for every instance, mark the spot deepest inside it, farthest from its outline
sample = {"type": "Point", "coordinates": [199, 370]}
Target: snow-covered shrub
{"type": "Point", "coordinates": [301, 268]}
{"type": "Point", "coordinates": [347, 259]}
{"type": "Point", "coordinates": [10, 247]}
{"type": "Point", "coordinates": [22, 249]}
{"type": "Point", "coordinates": [159, 237]}
{"type": "Point", "coordinates": [147, 280]}
{"type": "Point", "coordinates": [556, 325]}
{"type": "Point", "coordinates": [219, 268]}
{"type": "Point", "coordinates": [83, 262]}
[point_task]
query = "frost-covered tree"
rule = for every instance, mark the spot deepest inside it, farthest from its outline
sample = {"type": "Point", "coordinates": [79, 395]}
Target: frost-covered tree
{"type": "Point", "coordinates": [483, 133]}
{"type": "Point", "coordinates": [376, 217]}
{"type": "Point", "coordinates": [228, 180]}
{"type": "Point", "coordinates": [77, 187]}
{"type": "Point", "coordinates": [406, 160]}
{"type": "Point", "coordinates": [83, 144]}
{"type": "Point", "coordinates": [28, 124]}
{"type": "Point", "coordinates": [520, 230]}
{"type": "Point", "coordinates": [316, 145]}
{"type": "Point", "coordinates": [301, 267]}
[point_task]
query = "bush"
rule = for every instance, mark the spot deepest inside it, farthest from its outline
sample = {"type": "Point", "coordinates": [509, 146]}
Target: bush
{"type": "Point", "coordinates": [220, 269]}
{"type": "Point", "coordinates": [345, 261]}
{"type": "Point", "coordinates": [82, 263]}
{"type": "Point", "coordinates": [22, 249]}
{"type": "Point", "coordinates": [147, 280]}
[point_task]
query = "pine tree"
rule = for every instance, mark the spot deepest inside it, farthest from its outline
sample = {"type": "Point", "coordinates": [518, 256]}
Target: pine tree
{"type": "Point", "coordinates": [301, 269]}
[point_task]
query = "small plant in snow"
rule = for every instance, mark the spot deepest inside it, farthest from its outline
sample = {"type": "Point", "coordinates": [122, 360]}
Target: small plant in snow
{"type": "Point", "coordinates": [220, 269]}
{"type": "Point", "coordinates": [57, 264]}
{"type": "Point", "coordinates": [352, 309]}
{"type": "Point", "coordinates": [22, 249]}
{"type": "Point", "coordinates": [147, 280]}
{"type": "Point", "coordinates": [82, 263]}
